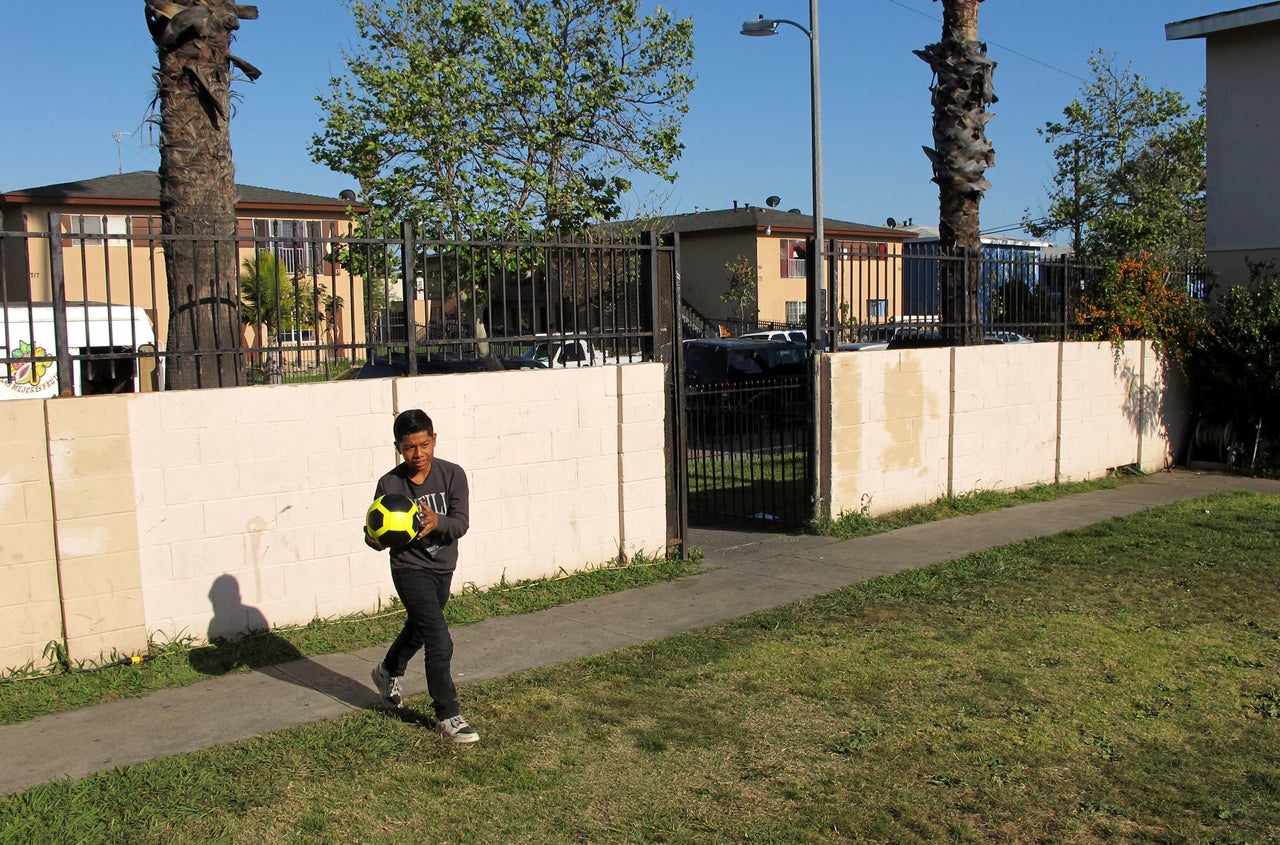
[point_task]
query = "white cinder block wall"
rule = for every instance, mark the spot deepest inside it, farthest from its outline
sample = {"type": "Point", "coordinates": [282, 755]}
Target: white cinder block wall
{"type": "Point", "coordinates": [1004, 424]}
{"type": "Point", "coordinates": [205, 512]}
{"type": "Point", "coordinates": [29, 596]}
{"type": "Point", "coordinates": [909, 426]}
{"type": "Point", "coordinates": [202, 513]}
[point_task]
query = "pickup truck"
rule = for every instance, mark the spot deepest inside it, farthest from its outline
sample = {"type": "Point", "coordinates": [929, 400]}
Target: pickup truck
{"type": "Point", "coordinates": [571, 352]}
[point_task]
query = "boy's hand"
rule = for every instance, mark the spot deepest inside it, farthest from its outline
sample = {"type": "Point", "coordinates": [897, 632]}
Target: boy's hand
{"type": "Point", "coordinates": [371, 542]}
{"type": "Point", "coordinates": [430, 521]}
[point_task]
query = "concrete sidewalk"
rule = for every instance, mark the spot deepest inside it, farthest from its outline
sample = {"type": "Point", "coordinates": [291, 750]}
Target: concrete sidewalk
{"type": "Point", "coordinates": [747, 572]}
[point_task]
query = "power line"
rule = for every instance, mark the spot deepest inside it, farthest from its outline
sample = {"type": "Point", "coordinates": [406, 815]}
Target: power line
{"type": "Point", "coordinates": [938, 20]}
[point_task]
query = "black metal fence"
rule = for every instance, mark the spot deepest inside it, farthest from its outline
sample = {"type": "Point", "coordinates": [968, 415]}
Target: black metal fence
{"type": "Point", "coordinates": [874, 294]}
{"type": "Point", "coordinates": [1019, 292]}
{"type": "Point", "coordinates": [93, 312]}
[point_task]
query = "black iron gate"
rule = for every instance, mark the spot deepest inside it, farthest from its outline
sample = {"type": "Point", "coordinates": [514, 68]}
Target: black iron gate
{"type": "Point", "coordinates": [747, 454]}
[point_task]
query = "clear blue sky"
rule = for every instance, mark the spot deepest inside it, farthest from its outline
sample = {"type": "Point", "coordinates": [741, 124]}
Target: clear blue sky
{"type": "Point", "coordinates": [81, 71]}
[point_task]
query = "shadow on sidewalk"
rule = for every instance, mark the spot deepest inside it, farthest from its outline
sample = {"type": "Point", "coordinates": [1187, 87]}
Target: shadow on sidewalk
{"type": "Point", "coordinates": [240, 637]}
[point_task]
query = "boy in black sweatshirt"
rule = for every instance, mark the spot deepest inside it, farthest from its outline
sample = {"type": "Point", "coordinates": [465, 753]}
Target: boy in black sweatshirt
{"type": "Point", "coordinates": [422, 571]}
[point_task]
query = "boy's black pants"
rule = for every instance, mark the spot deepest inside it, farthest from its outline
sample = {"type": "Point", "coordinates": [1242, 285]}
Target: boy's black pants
{"type": "Point", "coordinates": [424, 594]}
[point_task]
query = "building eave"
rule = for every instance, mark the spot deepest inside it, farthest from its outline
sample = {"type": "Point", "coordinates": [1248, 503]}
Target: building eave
{"type": "Point", "coordinates": [1207, 25]}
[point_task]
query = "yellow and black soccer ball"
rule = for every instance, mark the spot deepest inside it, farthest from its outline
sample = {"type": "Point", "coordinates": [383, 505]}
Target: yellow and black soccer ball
{"type": "Point", "coordinates": [393, 520]}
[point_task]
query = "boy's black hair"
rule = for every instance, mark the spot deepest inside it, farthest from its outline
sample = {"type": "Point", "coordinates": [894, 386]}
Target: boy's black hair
{"type": "Point", "coordinates": [411, 422]}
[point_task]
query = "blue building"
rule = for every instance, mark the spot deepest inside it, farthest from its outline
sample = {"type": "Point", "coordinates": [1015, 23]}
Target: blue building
{"type": "Point", "coordinates": [1011, 278]}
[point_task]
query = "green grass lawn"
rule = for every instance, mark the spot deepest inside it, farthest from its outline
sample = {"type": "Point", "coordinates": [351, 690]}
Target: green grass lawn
{"type": "Point", "coordinates": [1119, 683]}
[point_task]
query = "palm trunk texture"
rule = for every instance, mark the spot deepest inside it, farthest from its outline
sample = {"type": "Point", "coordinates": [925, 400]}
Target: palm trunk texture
{"type": "Point", "coordinates": [960, 155]}
{"type": "Point", "coordinates": [197, 187]}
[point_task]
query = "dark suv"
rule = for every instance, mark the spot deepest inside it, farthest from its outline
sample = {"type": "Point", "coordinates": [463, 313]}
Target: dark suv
{"type": "Point", "coordinates": [760, 383]}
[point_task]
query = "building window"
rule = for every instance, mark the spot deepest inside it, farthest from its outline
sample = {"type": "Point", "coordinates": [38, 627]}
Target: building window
{"type": "Point", "coordinates": [863, 250]}
{"type": "Point", "coordinates": [793, 259]}
{"type": "Point", "coordinates": [877, 309]}
{"type": "Point", "coordinates": [796, 312]}
{"type": "Point", "coordinates": [296, 244]}
{"type": "Point", "coordinates": [98, 225]}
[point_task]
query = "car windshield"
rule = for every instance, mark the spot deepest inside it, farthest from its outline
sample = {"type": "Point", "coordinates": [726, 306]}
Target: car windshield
{"type": "Point", "coordinates": [537, 352]}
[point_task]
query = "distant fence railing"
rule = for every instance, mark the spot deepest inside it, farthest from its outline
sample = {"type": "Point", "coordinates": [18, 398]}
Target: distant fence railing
{"type": "Point", "coordinates": [92, 315]}
{"type": "Point", "coordinates": [870, 293]}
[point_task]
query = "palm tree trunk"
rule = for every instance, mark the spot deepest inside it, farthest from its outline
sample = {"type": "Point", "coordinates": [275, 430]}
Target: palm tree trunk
{"type": "Point", "coordinates": [960, 156]}
{"type": "Point", "coordinates": [197, 187]}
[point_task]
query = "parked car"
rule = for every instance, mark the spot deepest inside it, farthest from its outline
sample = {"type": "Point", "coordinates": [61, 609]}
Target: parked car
{"type": "Point", "coordinates": [863, 346]}
{"type": "Point", "coordinates": [1008, 337]}
{"type": "Point", "coordinates": [917, 339]}
{"type": "Point", "coordinates": [758, 383]}
{"type": "Point", "coordinates": [564, 351]}
{"type": "Point", "coordinates": [875, 338]}
{"type": "Point", "coordinates": [784, 335]}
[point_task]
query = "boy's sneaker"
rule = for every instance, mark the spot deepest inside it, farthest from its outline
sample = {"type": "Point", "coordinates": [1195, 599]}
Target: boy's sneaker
{"type": "Point", "coordinates": [388, 685]}
{"type": "Point", "coordinates": [457, 729]}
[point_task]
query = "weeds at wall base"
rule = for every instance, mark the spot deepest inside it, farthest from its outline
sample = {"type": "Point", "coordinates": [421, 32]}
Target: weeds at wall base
{"type": "Point", "coordinates": [30, 691]}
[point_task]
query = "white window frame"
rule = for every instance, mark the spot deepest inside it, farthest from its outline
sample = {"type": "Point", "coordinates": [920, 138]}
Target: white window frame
{"type": "Point", "coordinates": [797, 310]}
{"type": "Point", "coordinates": [98, 228]}
{"type": "Point", "coordinates": [295, 243]}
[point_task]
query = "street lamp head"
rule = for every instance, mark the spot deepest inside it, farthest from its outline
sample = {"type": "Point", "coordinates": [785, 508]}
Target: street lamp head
{"type": "Point", "coordinates": [760, 26]}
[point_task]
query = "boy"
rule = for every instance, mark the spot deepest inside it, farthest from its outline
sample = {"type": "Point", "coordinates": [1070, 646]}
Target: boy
{"type": "Point", "coordinates": [423, 570]}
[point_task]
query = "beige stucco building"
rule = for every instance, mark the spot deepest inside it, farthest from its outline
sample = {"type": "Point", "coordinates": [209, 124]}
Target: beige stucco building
{"type": "Point", "coordinates": [108, 258]}
{"type": "Point", "coordinates": [1242, 51]}
{"type": "Point", "coordinates": [866, 266]}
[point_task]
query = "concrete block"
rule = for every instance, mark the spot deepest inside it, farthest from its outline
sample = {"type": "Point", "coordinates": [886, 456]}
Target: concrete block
{"type": "Point", "coordinates": [169, 524]}
{"type": "Point", "coordinates": [90, 456]}
{"type": "Point", "coordinates": [335, 469]}
{"type": "Point", "coordinates": [97, 535]}
{"type": "Point", "coordinates": [89, 417]}
{"type": "Point", "coordinates": [236, 516]}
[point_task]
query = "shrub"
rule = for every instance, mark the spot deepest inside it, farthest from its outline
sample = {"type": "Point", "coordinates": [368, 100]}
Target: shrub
{"type": "Point", "coordinates": [1234, 367]}
{"type": "Point", "coordinates": [1136, 299]}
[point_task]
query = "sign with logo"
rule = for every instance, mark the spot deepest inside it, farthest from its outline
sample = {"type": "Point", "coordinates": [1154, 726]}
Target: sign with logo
{"type": "Point", "coordinates": [32, 377]}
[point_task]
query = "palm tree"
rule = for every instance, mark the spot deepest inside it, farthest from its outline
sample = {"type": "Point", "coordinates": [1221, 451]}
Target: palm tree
{"type": "Point", "coordinates": [960, 155]}
{"type": "Point", "coordinates": [272, 301]}
{"type": "Point", "coordinates": [266, 297]}
{"type": "Point", "coordinates": [197, 186]}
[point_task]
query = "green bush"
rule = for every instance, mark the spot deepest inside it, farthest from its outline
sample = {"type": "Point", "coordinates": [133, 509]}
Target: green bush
{"type": "Point", "coordinates": [1234, 368]}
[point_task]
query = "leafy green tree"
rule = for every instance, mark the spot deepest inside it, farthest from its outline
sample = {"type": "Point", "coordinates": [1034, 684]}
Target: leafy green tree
{"type": "Point", "coordinates": [495, 117]}
{"type": "Point", "coordinates": [1235, 372]}
{"type": "Point", "coordinates": [743, 279]}
{"type": "Point", "coordinates": [1137, 299]}
{"type": "Point", "coordinates": [1130, 171]}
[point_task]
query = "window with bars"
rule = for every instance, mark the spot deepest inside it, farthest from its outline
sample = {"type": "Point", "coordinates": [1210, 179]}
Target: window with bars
{"type": "Point", "coordinates": [97, 225]}
{"type": "Point", "coordinates": [797, 310]}
{"type": "Point", "coordinates": [296, 244]}
{"type": "Point", "coordinates": [877, 309]}
{"type": "Point", "coordinates": [863, 250]}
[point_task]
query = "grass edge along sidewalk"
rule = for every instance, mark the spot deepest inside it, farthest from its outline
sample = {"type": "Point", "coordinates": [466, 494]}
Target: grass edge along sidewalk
{"type": "Point", "coordinates": [28, 692]}
{"type": "Point", "coordinates": [1115, 683]}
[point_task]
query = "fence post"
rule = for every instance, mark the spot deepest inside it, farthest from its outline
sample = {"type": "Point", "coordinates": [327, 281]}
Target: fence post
{"type": "Point", "coordinates": [660, 267]}
{"type": "Point", "coordinates": [409, 286]}
{"type": "Point", "coordinates": [58, 296]}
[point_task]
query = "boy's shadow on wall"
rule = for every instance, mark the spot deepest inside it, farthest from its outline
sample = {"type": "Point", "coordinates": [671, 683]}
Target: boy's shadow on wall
{"type": "Point", "coordinates": [239, 636]}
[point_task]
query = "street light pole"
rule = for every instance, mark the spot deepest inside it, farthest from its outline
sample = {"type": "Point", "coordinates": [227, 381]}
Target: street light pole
{"type": "Point", "coordinates": [763, 26]}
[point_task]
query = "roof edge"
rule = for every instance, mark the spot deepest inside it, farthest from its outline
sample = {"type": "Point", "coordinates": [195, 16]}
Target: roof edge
{"type": "Point", "coordinates": [1207, 25]}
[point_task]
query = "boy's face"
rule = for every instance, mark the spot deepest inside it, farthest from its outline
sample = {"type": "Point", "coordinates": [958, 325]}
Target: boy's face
{"type": "Point", "coordinates": [417, 450]}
